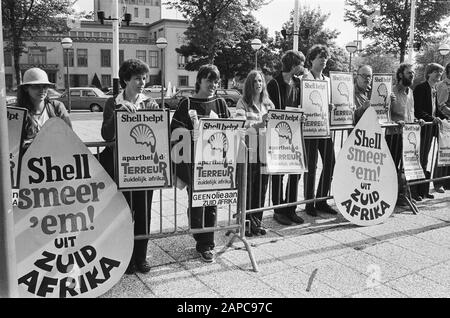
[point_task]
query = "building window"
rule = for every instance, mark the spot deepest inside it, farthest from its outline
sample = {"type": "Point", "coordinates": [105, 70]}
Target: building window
{"type": "Point", "coordinates": [73, 34]}
{"type": "Point", "coordinates": [183, 80]}
{"type": "Point", "coordinates": [81, 34]}
{"type": "Point", "coordinates": [82, 57]}
{"type": "Point", "coordinates": [106, 80]}
{"type": "Point", "coordinates": [147, 13]}
{"type": "Point", "coordinates": [148, 2]}
{"type": "Point", "coordinates": [105, 56]}
{"type": "Point", "coordinates": [37, 55]}
{"type": "Point", "coordinates": [121, 57]}
{"type": "Point", "coordinates": [8, 58]}
{"type": "Point", "coordinates": [141, 2]}
{"type": "Point", "coordinates": [104, 34]}
{"type": "Point", "coordinates": [140, 55]}
{"type": "Point", "coordinates": [71, 58]}
{"type": "Point", "coordinates": [88, 34]}
{"type": "Point", "coordinates": [136, 12]}
{"type": "Point", "coordinates": [153, 59]}
{"type": "Point", "coordinates": [156, 3]}
{"type": "Point", "coordinates": [96, 34]}
{"type": "Point", "coordinates": [181, 61]}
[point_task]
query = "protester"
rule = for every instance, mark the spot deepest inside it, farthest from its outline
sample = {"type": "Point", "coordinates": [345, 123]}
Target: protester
{"type": "Point", "coordinates": [443, 100]}
{"type": "Point", "coordinates": [426, 108]}
{"type": "Point", "coordinates": [284, 91]}
{"type": "Point", "coordinates": [362, 91]}
{"type": "Point", "coordinates": [401, 112]}
{"type": "Point", "coordinates": [132, 76]}
{"type": "Point", "coordinates": [32, 95]}
{"type": "Point", "coordinates": [253, 106]}
{"type": "Point", "coordinates": [206, 104]}
{"type": "Point", "coordinates": [317, 58]}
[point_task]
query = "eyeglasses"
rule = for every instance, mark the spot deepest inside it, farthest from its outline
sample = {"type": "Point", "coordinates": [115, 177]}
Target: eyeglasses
{"type": "Point", "coordinates": [365, 76]}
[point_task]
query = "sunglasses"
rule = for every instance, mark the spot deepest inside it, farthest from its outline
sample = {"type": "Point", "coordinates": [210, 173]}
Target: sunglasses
{"type": "Point", "coordinates": [365, 76]}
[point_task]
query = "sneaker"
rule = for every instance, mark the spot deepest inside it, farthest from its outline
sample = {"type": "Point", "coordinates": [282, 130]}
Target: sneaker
{"type": "Point", "coordinates": [207, 256]}
{"type": "Point", "coordinates": [294, 217]}
{"type": "Point", "coordinates": [143, 266]}
{"type": "Point", "coordinates": [261, 230]}
{"type": "Point", "coordinates": [311, 211]}
{"type": "Point", "coordinates": [440, 189]}
{"type": "Point", "coordinates": [429, 196]}
{"type": "Point", "coordinates": [282, 219]}
{"type": "Point", "coordinates": [325, 208]}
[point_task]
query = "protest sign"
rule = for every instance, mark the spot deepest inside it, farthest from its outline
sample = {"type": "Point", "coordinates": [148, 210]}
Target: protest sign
{"type": "Point", "coordinates": [444, 144]}
{"type": "Point", "coordinates": [365, 179]}
{"type": "Point", "coordinates": [380, 97]}
{"type": "Point", "coordinates": [16, 120]}
{"type": "Point", "coordinates": [315, 107]}
{"type": "Point", "coordinates": [411, 152]}
{"type": "Point", "coordinates": [342, 98]}
{"type": "Point", "coordinates": [215, 162]}
{"type": "Point", "coordinates": [74, 233]}
{"type": "Point", "coordinates": [284, 146]}
{"type": "Point", "coordinates": [143, 150]}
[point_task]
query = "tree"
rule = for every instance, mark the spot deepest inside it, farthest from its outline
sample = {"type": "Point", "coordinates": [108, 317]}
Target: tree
{"type": "Point", "coordinates": [429, 54]}
{"type": "Point", "coordinates": [390, 33]}
{"type": "Point", "coordinates": [313, 19]}
{"type": "Point", "coordinates": [380, 63]}
{"type": "Point", "coordinates": [25, 19]}
{"type": "Point", "coordinates": [212, 24]}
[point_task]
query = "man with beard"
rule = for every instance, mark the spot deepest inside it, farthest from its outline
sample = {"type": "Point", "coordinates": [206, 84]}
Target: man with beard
{"type": "Point", "coordinates": [402, 111]}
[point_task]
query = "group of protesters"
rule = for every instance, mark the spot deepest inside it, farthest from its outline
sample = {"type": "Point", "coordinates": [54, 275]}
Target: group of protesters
{"type": "Point", "coordinates": [428, 102]}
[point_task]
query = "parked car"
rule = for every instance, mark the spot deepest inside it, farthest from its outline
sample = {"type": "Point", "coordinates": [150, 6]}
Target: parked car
{"type": "Point", "coordinates": [85, 98]}
{"type": "Point", "coordinates": [172, 102]}
{"type": "Point", "coordinates": [231, 96]}
{"type": "Point", "coordinates": [53, 93]}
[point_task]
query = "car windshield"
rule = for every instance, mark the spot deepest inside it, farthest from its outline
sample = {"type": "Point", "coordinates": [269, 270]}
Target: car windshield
{"type": "Point", "coordinates": [232, 92]}
{"type": "Point", "coordinates": [98, 92]}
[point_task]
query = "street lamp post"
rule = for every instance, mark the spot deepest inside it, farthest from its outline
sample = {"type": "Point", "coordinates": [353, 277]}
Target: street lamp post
{"type": "Point", "coordinates": [66, 43]}
{"type": "Point", "coordinates": [161, 43]}
{"type": "Point", "coordinates": [444, 49]}
{"type": "Point", "coordinates": [256, 45]}
{"type": "Point", "coordinates": [351, 48]}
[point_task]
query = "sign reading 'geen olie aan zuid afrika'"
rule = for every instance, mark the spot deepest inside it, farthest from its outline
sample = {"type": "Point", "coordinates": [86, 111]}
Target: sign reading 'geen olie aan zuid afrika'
{"type": "Point", "coordinates": [342, 98]}
{"type": "Point", "coordinates": [314, 103]}
{"type": "Point", "coordinates": [411, 152]}
{"type": "Point", "coordinates": [74, 234]}
{"type": "Point", "coordinates": [215, 162]}
{"type": "Point", "coordinates": [143, 150]}
{"type": "Point", "coordinates": [365, 179]}
{"type": "Point", "coordinates": [16, 120]}
{"type": "Point", "coordinates": [284, 147]}
{"type": "Point", "coordinates": [381, 94]}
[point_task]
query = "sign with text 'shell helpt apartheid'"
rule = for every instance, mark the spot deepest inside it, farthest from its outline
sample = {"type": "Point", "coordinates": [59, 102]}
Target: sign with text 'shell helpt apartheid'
{"type": "Point", "coordinates": [16, 120]}
{"type": "Point", "coordinates": [143, 150]}
{"type": "Point", "coordinates": [411, 152]}
{"type": "Point", "coordinates": [74, 233]}
{"type": "Point", "coordinates": [365, 179]}
{"type": "Point", "coordinates": [342, 98]}
{"type": "Point", "coordinates": [284, 146]}
{"type": "Point", "coordinates": [444, 144]}
{"type": "Point", "coordinates": [215, 162]}
{"type": "Point", "coordinates": [314, 103]}
{"type": "Point", "coordinates": [380, 98]}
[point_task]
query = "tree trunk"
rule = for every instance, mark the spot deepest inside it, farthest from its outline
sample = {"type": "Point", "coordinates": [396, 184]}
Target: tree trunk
{"type": "Point", "coordinates": [16, 53]}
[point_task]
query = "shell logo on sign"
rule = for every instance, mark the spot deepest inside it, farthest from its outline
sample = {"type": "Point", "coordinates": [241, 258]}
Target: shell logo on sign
{"type": "Point", "coordinates": [74, 233]}
{"type": "Point", "coordinates": [365, 179]}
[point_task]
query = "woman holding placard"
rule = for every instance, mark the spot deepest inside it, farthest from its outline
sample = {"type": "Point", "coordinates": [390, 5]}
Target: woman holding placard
{"type": "Point", "coordinates": [32, 95]}
{"type": "Point", "coordinates": [132, 76]}
{"type": "Point", "coordinates": [254, 107]}
{"type": "Point", "coordinates": [203, 104]}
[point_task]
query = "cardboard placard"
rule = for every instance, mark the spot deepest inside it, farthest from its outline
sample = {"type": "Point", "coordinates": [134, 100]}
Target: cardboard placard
{"type": "Point", "coordinates": [444, 144]}
{"type": "Point", "coordinates": [411, 152]}
{"type": "Point", "coordinates": [315, 107]}
{"type": "Point", "coordinates": [380, 97]}
{"type": "Point", "coordinates": [143, 150]}
{"type": "Point", "coordinates": [342, 91]}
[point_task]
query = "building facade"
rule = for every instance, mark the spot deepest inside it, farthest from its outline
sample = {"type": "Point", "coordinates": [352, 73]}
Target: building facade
{"type": "Point", "coordinates": [91, 52]}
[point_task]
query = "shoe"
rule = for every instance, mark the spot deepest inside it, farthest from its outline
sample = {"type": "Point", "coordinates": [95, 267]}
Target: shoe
{"type": "Point", "coordinates": [143, 266]}
{"type": "Point", "coordinates": [294, 217]}
{"type": "Point", "coordinates": [261, 230]}
{"type": "Point", "coordinates": [325, 208]}
{"type": "Point", "coordinates": [440, 189]}
{"type": "Point", "coordinates": [282, 219]}
{"type": "Point", "coordinates": [207, 256]}
{"type": "Point", "coordinates": [311, 211]}
{"type": "Point", "coordinates": [401, 202]}
{"type": "Point", "coordinates": [131, 269]}
{"type": "Point", "coordinates": [429, 196]}
{"type": "Point", "coordinates": [417, 198]}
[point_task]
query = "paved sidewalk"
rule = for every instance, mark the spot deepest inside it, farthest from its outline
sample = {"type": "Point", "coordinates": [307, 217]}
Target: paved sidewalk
{"type": "Point", "coordinates": [408, 256]}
